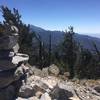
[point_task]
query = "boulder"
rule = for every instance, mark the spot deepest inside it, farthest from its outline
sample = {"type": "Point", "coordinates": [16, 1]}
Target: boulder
{"type": "Point", "coordinates": [53, 69]}
{"type": "Point", "coordinates": [60, 94]}
{"type": "Point", "coordinates": [26, 91]}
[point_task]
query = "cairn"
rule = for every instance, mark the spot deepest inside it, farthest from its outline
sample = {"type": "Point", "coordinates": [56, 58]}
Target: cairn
{"type": "Point", "coordinates": [12, 65]}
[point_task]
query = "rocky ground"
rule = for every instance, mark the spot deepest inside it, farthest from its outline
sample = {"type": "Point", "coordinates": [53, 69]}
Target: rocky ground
{"type": "Point", "coordinates": [49, 85]}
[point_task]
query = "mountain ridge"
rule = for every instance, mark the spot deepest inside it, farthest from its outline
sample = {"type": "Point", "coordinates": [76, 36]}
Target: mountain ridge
{"type": "Point", "coordinates": [57, 37]}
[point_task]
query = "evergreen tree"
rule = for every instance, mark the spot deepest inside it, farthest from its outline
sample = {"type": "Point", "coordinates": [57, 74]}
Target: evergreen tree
{"type": "Point", "coordinates": [49, 49]}
{"type": "Point", "coordinates": [68, 50]}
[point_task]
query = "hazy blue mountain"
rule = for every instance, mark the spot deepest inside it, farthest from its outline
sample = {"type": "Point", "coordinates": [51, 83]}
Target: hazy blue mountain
{"type": "Point", "coordinates": [57, 37]}
{"type": "Point", "coordinates": [87, 41]}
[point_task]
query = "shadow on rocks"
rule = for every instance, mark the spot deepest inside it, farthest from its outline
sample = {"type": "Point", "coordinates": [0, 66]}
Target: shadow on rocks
{"type": "Point", "coordinates": [60, 94]}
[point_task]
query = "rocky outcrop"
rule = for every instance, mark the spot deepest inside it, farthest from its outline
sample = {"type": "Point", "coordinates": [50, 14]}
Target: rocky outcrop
{"type": "Point", "coordinates": [53, 88]}
{"type": "Point", "coordinates": [12, 65]}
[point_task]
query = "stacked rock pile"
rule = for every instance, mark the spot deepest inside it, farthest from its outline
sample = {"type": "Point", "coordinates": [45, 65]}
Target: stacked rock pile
{"type": "Point", "coordinates": [12, 65]}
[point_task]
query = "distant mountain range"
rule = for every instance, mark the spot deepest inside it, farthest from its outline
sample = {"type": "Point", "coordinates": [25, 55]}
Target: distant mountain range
{"type": "Point", "coordinates": [57, 37]}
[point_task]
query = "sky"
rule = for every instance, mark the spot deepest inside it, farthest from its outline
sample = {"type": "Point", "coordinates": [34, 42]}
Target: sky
{"type": "Point", "coordinates": [83, 15]}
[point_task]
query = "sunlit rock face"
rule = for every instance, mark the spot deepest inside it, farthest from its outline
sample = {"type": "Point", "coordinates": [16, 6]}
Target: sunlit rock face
{"type": "Point", "coordinates": [19, 58]}
{"type": "Point", "coordinates": [12, 68]}
{"type": "Point", "coordinates": [8, 42]}
{"type": "Point", "coordinates": [7, 51]}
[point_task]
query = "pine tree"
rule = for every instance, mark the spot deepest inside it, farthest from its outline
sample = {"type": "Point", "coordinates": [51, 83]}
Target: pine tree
{"type": "Point", "coordinates": [50, 49]}
{"type": "Point", "coordinates": [68, 50]}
